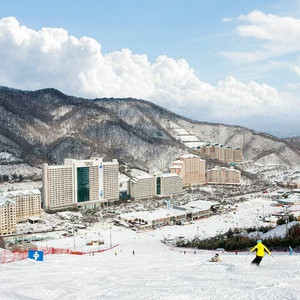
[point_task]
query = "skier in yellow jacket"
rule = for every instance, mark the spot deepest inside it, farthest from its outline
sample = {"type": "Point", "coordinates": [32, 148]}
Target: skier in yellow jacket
{"type": "Point", "coordinates": [260, 249]}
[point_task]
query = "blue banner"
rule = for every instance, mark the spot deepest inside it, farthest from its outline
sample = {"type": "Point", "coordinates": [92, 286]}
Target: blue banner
{"type": "Point", "coordinates": [36, 255]}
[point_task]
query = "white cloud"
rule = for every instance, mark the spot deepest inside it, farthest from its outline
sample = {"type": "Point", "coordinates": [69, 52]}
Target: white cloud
{"type": "Point", "coordinates": [296, 69]}
{"type": "Point", "coordinates": [280, 36]}
{"type": "Point", "coordinates": [294, 86]}
{"type": "Point", "coordinates": [51, 57]}
{"type": "Point", "coordinates": [226, 20]}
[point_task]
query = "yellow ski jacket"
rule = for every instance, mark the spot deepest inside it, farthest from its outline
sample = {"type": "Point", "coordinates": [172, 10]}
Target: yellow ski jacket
{"type": "Point", "coordinates": [260, 249]}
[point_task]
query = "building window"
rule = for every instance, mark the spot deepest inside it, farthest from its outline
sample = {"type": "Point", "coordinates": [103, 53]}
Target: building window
{"type": "Point", "coordinates": [83, 184]}
{"type": "Point", "coordinates": [158, 186]}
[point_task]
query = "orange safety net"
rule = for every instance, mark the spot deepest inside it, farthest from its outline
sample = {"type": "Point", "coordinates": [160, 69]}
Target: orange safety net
{"type": "Point", "coordinates": [7, 256]}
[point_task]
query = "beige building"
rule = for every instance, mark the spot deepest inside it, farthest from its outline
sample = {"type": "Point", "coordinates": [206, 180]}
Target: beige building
{"type": "Point", "coordinates": [191, 168]}
{"type": "Point", "coordinates": [223, 175]}
{"type": "Point", "coordinates": [28, 203]}
{"type": "Point", "coordinates": [82, 183]}
{"type": "Point", "coordinates": [223, 153]}
{"type": "Point", "coordinates": [142, 187]}
{"type": "Point", "coordinates": [8, 215]}
{"type": "Point", "coordinates": [111, 180]}
{"type": "Point", "coordinates": [167, 184]}
{"type": "Point", "coordinates": [58, 186]}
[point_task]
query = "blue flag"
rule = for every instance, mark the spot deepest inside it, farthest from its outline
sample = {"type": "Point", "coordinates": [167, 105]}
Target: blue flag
{"type": "Point", "coordinates": [36, 255]}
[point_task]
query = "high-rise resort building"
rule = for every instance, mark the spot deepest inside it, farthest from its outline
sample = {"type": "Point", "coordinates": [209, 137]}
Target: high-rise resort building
{"type": "Point", "coordinates": [80, 183]}
{"type": "Point", "coordinates": [142, 187]}
{"type": "Point", "coordinates": [111, 180]}
{"type": "Point", "coordinates": [167, 184]}
{"type": "Point", "coordinates": [223, 175]}
{"type": "Point", "coordinates": [158, 184]}
{"type": "Point", "coordinates": [221, 152]}
{"type": "Point", "coordinates": [191, 168]}
{"type": "Point", "coordinates": [28, 202]}
{"type": "Point", "coordinates": [8, 216]}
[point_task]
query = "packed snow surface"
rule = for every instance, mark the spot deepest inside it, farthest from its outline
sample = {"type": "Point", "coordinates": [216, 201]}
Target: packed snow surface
{"type": "Point", "coordinates": [154, 270]}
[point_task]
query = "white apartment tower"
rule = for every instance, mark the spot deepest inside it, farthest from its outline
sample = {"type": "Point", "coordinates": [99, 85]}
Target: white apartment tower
{"type": "Point", "coordinates": [82, 183]}
{"type": "Point", "coordinates": [8, 215]}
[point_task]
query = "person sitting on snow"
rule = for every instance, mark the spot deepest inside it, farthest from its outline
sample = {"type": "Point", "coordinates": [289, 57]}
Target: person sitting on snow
{"type": "Point", "coordinates": [260, 249]}
{"type": "Point", "coordinates": [215, 258]}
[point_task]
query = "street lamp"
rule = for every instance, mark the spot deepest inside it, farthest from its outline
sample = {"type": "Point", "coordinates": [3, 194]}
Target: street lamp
{"type": "Point", "coordinates": [74, 238]}
{"type": "Point", "coordinates": [110, 237]}
{"type": "Point", "coordinates": [286, 221]}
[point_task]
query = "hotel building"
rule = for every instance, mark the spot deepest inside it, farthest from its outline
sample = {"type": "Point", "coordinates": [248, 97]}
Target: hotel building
{"type": "Point", "coordinates": [167, 184]}
{"type": "Point", "coordinates": [142, 187]}
{"type": "Point", "coordinates": [8, 215]}
{"type": "Point", "coordinates": [223, 176]}
{"type": "Point", "coordinates": [28, 203]}
{"type": "Point", "coordinates": [80, 183]}
{"type": "Point", "coordinates": [191, 168]}
{"type": "Point", "coordinates": [157, 184]}
{"type": "Point", "coordinates": [223, 153]}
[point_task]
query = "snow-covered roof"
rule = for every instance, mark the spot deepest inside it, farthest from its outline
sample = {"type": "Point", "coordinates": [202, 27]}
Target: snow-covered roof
{"type": "Point", "coordinates": [160, 213]}
{"type": "Point", "coordinates": [224, 168]}
{"type": "Point", "coordinates": [199, 205]}
{"type": "Point", "coordinates": [178, 161]}
{"type": "Point", "coordinates": [141, 177]}
{"type": "Point", "coordinates": [4, 201]}
{"type": "Point", "coordinates": [23, 192]}
{"type": "Point", "coordinates": [188, 156]}
{"type": "Point", "coordinates": [176, 167]}
{"type": "Point", "coordinates": [289, 200]}
{"type": "Point", "coordinates": [169, 175]}
{"type": "Point", "coordinates": [34, 218]}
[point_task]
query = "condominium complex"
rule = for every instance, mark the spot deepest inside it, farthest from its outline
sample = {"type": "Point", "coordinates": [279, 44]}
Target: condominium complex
{"type": "Point", "coordinates": [167, 184]}
{"type": "Point", "coordinates": [191, 168]}
{"type": "Point", "coordinates": [142, 187]}
{"type": "Point", "coordinates": [8, 215]}
{"type": "Point", "coordinates": [82, 183]}
{"type": "Point", "coordinates": [111, 180]}
{"type": "Point", "coordinates": [157, 184]}
{"type": "Point", "coordinates": [223, 153]}
{"type": "Point", "coordinates": [58, 186]}
{"type": "Point", "coordinates": [223, 176]}
{"type": "Point", "coordinates": [28, 203]}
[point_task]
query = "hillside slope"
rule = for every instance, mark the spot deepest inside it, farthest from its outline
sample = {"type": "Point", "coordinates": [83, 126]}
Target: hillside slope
{"type": "Point", "coordinates": [47, 126]}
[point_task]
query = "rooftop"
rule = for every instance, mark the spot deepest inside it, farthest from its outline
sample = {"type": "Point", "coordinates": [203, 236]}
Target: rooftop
{"type": "Point", "coordinates": [4, 201]}
{"type": "Point", "coordinates": [200, 205]}
{"type": "Point", "coordinates": [23, 192]}
{"type": "Point", "coordinates": [169, 175]}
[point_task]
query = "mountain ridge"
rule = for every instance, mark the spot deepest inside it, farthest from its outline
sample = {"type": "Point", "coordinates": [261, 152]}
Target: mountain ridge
{"type": "Point", "coordinates": [47, 126]}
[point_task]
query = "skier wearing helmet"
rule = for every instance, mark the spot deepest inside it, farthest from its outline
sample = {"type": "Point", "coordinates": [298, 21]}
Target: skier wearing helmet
{"type": "Point", "coordinates": [260, 249]}
{"type": "Point", "coordinates": [215, 258]}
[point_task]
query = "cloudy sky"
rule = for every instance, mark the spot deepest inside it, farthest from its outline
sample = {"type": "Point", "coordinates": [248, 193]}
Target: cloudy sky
{"type": "Point", "coordinates": [235, 62]}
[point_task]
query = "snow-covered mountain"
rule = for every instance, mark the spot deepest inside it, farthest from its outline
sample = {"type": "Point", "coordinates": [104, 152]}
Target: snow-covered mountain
{"type": "Point", "coordinates": [47, 126]}
{"type": "Point", "coordinates": [295, 141]}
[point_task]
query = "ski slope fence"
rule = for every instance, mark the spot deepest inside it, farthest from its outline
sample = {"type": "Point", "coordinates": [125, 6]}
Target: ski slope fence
{"type": "Point", "coordinates": [7, 256]}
